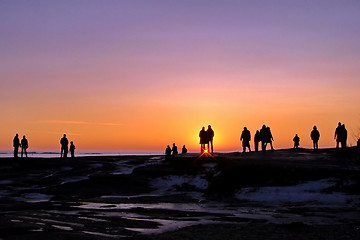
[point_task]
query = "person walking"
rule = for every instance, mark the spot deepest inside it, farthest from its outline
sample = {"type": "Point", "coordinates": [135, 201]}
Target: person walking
{"type": "Point", "coordinates": [210, 138]}
{"type": "Point", "coordinates": [24, 146]}
{"type": "Point", "coordinates": [315, 136]}
{"type": "Point", "coordinates": [245, 138]}
{"type": "Point", "coordinates": [16, 145]}
{"type": "Point", "coordinates": [64, 146]}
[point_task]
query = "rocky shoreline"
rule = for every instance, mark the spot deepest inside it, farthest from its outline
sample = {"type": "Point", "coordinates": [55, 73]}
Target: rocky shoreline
{"type": "Point", "coordinates": [274, 195]}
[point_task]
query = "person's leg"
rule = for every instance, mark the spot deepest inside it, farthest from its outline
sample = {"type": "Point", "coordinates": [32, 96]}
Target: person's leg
{"type": "Point", "coordinates": [25, 153]}
{"type": "Point", "coordinates": [22, 152]}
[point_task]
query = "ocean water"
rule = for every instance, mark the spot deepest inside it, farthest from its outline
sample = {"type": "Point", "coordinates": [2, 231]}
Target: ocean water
{"type": "Point", "coordinates": [44, 154]}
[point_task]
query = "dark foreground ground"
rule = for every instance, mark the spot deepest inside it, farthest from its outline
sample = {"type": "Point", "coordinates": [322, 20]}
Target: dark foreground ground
{"type": "Point", "coordinates": [283, 194]}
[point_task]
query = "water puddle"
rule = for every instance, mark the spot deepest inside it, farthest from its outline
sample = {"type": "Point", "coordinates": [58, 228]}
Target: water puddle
{"type": "Point", "coordinates": [307, 192]}
{"type": "Point", "coordinates": [34, 197]}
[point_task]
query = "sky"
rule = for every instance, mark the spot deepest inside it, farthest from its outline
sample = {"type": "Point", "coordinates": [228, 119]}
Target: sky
{"type": "Point", "coordinates": [135, 76]}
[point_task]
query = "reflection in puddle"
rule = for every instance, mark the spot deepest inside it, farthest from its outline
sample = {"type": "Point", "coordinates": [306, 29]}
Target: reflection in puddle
{"type": "Point", "coordinates": [66, 228]}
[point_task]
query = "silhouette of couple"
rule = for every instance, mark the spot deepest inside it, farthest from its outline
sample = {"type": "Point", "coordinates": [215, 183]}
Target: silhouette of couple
{"type": "Point", "coordinates": [206, 138]}
{"type": "Point", "coordinates": [340, 135]}
{"type": "Point", "coordinates": [64, 147]}
{"type": "Point", "coordinates": [23, 144]}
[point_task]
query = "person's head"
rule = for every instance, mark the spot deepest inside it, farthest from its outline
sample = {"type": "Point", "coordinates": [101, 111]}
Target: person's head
{"type": "Point", "coordinates": [257, 131]}
{"type": "Point", "coordinates": [24, 137]}
{"type": "Point", "coordinates": [343, 125]}
{"type": "Point", "coordinates": [71, 142]}
{"type": "Point", "coordinates": [296, 135]}
{"type": "Point", "coordinates": [209, 126]}
{"type": "Point", "coordinates": [17, 135]}
{"type": "Point", "coordinates": [264, 126]}
{"type": "Point", "coordinates": [203, 128]}
{"type": "Point", "coordinates": [245, 128]}
{"type": "Point", "coordinates": [314, 127]}
{"type": "Point", "coordinates": [339, 123]}
{"type": "Point", "coordinates": [64, 135]}
{"type": "Point", "coordinates": [268, 128]}
{"type": "Point", "coordinates": [173, 144]}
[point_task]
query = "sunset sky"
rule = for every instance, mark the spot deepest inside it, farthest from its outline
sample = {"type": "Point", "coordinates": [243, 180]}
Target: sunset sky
{"type": "Point", "coordinates": [139, 75]}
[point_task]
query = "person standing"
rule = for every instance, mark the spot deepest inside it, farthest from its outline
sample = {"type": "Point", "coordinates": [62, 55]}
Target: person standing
{"type": "Point", "coordinates": [245, 138]}
{"type": "Point", "coordinates": [338, 134]}
{"type": "Point", "coordinates": [210, 138]}
{"type": "Point", "coordinates": [203, 137]}
{"type": "Point", "coordinates": [16, 145]}
{"type": "Point", "coordinates": [72, 149]}
{"type": "Point", "coordinates": [344, 136]}
{"type": "Point", "coordinates": [64, 146]}
{"type": "Point", "coordinates": [184, 150]}
{"type": "Point", "coordinates": [24, 146]}
{"type": "Point", "coordinates": [168, 151]}
{"type": "Point", "coordinates": [296, 140]}
{"type": "Point", "coordinates": [174, 149]}
{"type": "Point", "coordinates": [315, 136]}
{"type": "Point", "coordinates": [257, 140]}
{"type": "Point", "coordinates": [269, 138]}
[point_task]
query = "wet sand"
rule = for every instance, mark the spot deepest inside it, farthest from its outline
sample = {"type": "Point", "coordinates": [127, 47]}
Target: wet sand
{"type": "Point", "coordinates": [274, 195]}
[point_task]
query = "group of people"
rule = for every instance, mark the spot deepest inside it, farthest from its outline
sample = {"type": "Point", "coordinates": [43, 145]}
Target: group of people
{"type": "Point", "coordinates": [206, 138]}
{"type": "Point", "coordinates": [263, 135]}
{"type": "Point", "coordinates": [174, 150]}
{"type": "Point", "coordinates": [64, 142]}
{"type": "Point", "coordinates": [340, 137]}
{"type": "Point", "coordinates": [24, 144]}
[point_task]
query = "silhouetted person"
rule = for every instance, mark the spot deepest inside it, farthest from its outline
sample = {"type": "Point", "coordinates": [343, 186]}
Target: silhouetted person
{"type": "Point", "coordinates": [263, 138]}
{"type": "Point", "coordinates": [16, 145]}
{"type": "Point", "coordinates": [183, 150]}
{"type": "Point", "coordinates": [338, 134]}
{"type": "Point", "coordinates": [358, 143]}
{"type": "Point", "coordinates": [174, 149]}
{"type": "Point", "coordinates": [344, 136]}
{"type": "Point", "coordinates": [210, 138]}
{"type": "Point", "coordinates": [268, 138]}
{"type": "Point", "coordinates": [296, 140]}
{"type": "Point", "coordinates": [64, 146]}
{"type": "Point", "coordinates": [245, 138]}
{"type": "Point", "coordinates": [203, 139]}
{"type": "Point", "coordinates": [24, 146]}
{"type": "Point", "coordinates": [315, 136]}
{"type": "Point", "coordinates": [72, 149]}
{"type": "Point", "coordinates": [168, 151]}
{"type": "Point", "coordinates": [257, 140]}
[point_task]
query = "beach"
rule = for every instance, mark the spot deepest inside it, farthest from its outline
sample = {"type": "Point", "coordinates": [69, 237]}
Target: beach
{"type": "Point", "coordinates": [282, 194]}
